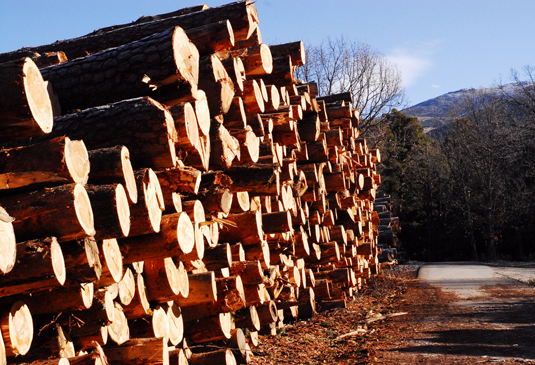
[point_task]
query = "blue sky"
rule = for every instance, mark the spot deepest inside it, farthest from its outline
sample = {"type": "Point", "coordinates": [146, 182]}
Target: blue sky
{"type": "Point", "coordinates": [439, 45]}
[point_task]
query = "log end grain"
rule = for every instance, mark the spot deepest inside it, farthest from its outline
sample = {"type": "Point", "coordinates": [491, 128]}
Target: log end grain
{"type": "Point", "coordinates": [77, 160]}
{"type": "Point", "coordinates": [8, 250]}
{"type": "Point", "coordinates": [37, 96]}
{"type": "Point", "coordinates": [84, 213]}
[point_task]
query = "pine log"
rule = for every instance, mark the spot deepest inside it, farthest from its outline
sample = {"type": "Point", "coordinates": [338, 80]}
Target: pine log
{"type": "Point", "coordinates": [253, 101]}
{"type": "Point", "coordinates": [213, 37]}
{"type": "Point", "coordinates": [242, 227]}
{"type": "Point", "coordinates": [37, 261]}
{"type": "Point", "coordinates": [216, 83]}
{"type": "Point", "coordinates": [25, 105]}
{"type": "Point", "coordinates": [82, 261]}
{"type": "Point", "coordinates": [179, 180]}
{"type": "Point", "coordinates": [249, 145]}
{"type": "Point", "coordinates": [113, 165]}
{"type": "Point", "coordinates": [241, 14]}
{"type": "Point", "coordinates": [250, 272]}
{"type": "Point", "coordinates": [187, 129]}
{"type": "Point", "coordinates": [256, 179]}
{"type": "Point", "coordinates": [146, 215]}
{"type": "Point", "coordinates": [139, 306]}
{"type": "Point", "coordinates": [138, 351]}
{"type": "Point", "coordinates": [143, 125]}
{"type": "Point", "coordinates": [111, 210]}
{"type": "Point", "coordinates": [63, 212]}
{"type": "Point", "coordinates": [136, 68]}
{"type": "Point", "coordinates": [282, 73]}
{"type": "Point", "coordinates": [62, 162]}
{"type": "Point", "coordinates": [224, 147]}
{"type": "Point", "coordinates": [257, 60]}
{"type": "Point", "coordinates": [222, 356]}
{"type": "Point", "coordinates": [16, 325]}
{"type": "Point", "coordinates": [236, 72]}
{"type": "Point", "coordinates": [176, 237]}
{"type": "Point", "coordinates": [202, 290]}
{"type": "Point", "coordinates": [127, 287]}
{"type": "Point", "coordinates": [209, 329]}
{"type": "Point", "coordinates": [296, 50]}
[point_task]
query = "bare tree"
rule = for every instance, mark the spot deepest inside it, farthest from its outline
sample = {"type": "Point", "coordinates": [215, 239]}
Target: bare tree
{"type": "Point", "coordinates": [340, 65]}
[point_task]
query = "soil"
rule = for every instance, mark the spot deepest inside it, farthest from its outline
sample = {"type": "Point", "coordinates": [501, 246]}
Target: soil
{"type": "Point", "coordinates": [398, 319]}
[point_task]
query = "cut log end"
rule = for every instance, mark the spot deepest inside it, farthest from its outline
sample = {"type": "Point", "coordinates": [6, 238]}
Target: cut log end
{"type": "Point", "coordinates": [8, 249]}
{"type": "Point", "coordinates": [84, 213]}
{"type": "Point", "coordinates": [114, 260]}
{"type": "Point", "coordinates": [77, 160]}
{"type": "Point", "coordinates": [128, 172]}
{"type": "Point", "coordinates": [186, 58]}
{"type": "Point", "coordinates": [37, 95]}
{"type": "Point", "coordinates": [58, 262]}
{"type": "Point", "coordinates": [123, 209]}
{"type": "Point", "coordinates": [20, 329]}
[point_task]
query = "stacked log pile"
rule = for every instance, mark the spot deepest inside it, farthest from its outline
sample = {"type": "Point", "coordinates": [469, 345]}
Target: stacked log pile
{"type": "Point", "coordinates": [170, 188]}
{"type": "Point", "coordinates": [387, 241]}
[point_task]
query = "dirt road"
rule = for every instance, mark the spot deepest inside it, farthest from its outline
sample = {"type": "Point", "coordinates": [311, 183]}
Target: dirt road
{"type": "Point", "coordinates": [459, 314]}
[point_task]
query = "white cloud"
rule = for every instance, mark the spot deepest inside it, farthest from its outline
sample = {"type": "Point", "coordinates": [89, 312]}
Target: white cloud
{"type": "Point", "coordinates": [435, 86]}
{"type": "Point", "coordinates": [414, 61]}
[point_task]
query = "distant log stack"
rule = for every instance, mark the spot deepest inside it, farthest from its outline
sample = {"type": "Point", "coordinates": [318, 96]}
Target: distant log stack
{"type": "Point", "coordinates": [192, 189]}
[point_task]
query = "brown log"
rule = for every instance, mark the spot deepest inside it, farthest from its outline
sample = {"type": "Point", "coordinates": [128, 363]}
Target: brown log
{"type": "Point", "coordinates": [82, 261]}
{"type": "Point", "coordinates": [224, 147]}
{"type": "Point", "coordinates": [139, 306]}
{"type": "Point", "coordinates": [247, 318]}
{"type": "Point", "coordinates": [25, 105]}
{"type": "Point", "coordinates": [111, 210]}
{"type": "Point", "coordinates": [236, 72]}
{"type": "Point", "coordinates": [296, 50]}
{"type": "Point", "coordinates": [150, 351]}
{"type": "Point", "coordinates": [38, 261]}
{"type": "Point", "coordinates": [143, 125]}
{"type": "Point", "coordinates": [146, 214]}
{"type": "Point", "coordinates": [216, 83]}
{"type": "Point", "coordinates": [213, 37]}
{"type": "Point", "coordinates": [242, 16]}
{"type": "Point", "coordinates": [241, 202]}
{"type": "Point", "coordinates": [202, 289]}
{"type": "Point", "coordinates": [282, 73]}
{"type": "Point", "coordinates": [253, 101]}
{"type": "Point", "coordinates": [187, 129]}
{"type": "Point", "coordinates": [235, 117]}
{"type": "Point", "coordinates": [250, 272]}
{"type": "Point", "coordinates": [256, 179]}
{"type": "Point", "coordinates": [63, 162]}
{"type": "Point", "coordinates": [277, 222]}
{"type": "Point", "coordinates": [222, 356]}
{"type": "Point", "coordinates": [16, 325]}
{"type": "Point", "coordinates": [63, 212]}
{"type": "Point", "coordinates": [113, 165]}
{"type": "Point", "coordinates": [249, 145]}
{"type": "Point", "coordinates": [209, 329]}
{"type": "Point", "coordinates": [85, 82]}
{"type": "Point", "coordinates": [180, 180]}
{"type": "Point", "coordinates": [257, 60]}
{"type": "Point", "coordinates": [49, 59]}
{"type": "Point", "coordinates": [176, 237]}
{"type": "Point", "coordinates": [242, 227]}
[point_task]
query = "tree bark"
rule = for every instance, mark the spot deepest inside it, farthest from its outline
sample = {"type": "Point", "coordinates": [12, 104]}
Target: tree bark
{"type": "Point", "coordinates": [130, 71]}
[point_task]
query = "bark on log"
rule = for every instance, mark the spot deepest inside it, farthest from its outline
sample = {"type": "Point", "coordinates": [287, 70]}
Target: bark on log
{"type": "Point", "coordinates": [113, 165]}
{"type": "Point", "coordinates": [256, 179]}
{"type": "Point", "coordinates": [146, 215]}
{"type": "Point", "coordinates": [296, 50]}
{"type": "Point", "coordinates": [209, 329]}
{"type": "Point", "coordinates": [242, 227]}
{"type": "Point", "coordinates": [143, 125]}
{"type": "Point", "coordinates": [61, 161]}
{"type": "Point", "coordinates": [176, 237]}
{"type": "Point", "coordinates": [150, 66]}
{"type": "Point", "coordinates": [63, 212]}
{"type": "Point", "coordinates": [25, 105]}
{"type": "Point", "coordinates": [187, 129]}
{"type": "Point", "coordinates": [111, 210]}
{"type": "Point", "coordinates": [38, 260]}
{"type": "Point", "coordinates": [241, 14]}
{"type": "Point", "coordinates": [138, 351]}
{"type": "Point", "coordinates": [179, 180]}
